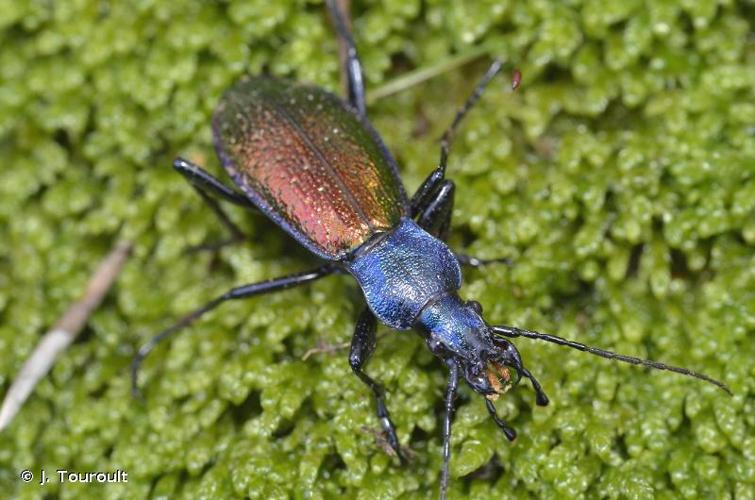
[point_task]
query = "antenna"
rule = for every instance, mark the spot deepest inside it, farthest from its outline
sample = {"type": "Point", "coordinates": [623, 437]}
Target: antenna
{"type": "Point", "coordinates": [510, 331]}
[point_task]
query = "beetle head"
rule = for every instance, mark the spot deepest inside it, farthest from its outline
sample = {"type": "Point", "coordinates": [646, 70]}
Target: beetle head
{"type": "Point", "coordinates": [456, 332]}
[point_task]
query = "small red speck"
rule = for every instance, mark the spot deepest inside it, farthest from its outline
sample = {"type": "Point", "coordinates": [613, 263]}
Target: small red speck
{"type": "Point", "coordinates": [516, 79]}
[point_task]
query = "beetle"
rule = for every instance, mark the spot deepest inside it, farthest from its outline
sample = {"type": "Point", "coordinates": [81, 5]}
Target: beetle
{"type": "Point", "coordinates": [314, 164]}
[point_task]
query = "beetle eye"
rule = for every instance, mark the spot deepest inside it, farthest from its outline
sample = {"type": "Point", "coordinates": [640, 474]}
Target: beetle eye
{"type": "Point", "coordinates": [476, 306]}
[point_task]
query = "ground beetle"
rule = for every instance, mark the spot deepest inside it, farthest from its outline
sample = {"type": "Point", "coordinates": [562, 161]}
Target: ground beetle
{"type": "Point", "coordinates": [314, 165]}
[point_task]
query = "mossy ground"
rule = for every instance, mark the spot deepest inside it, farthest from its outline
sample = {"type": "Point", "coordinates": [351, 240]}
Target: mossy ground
{"type": "Point", "coordinates": [620, 178]}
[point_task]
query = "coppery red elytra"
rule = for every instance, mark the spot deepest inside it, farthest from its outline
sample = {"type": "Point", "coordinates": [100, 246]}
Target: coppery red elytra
{"type": "Point", "coordinates": [313, 163]}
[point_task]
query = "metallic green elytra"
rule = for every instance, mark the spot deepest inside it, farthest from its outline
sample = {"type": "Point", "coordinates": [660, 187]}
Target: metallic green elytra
{"type": "Point", "coordinates": [309, 162]}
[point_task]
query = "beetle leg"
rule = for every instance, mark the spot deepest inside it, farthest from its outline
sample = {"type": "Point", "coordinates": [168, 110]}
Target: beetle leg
{"type": "Point", "coordinates": [362, 346]}
{"type": "Point", "coordinates": [448, 135]}
{"type": "Point", "coordinates": [453, 379]}
{"type": "Point", "coordinates": [351, 67]}
{"type": "Point", "coordinates": [207, 182]}
{"type": "Point", "coordinates": [435, 217]}
{"type": "Point", "coordinates": [240, 292]}
{"type": "Point", "coordinates": [425, 194]}
{"type": "Point", "coordinates": [210, 189]}
{"type": "Point", "coordinates": [430, 185]}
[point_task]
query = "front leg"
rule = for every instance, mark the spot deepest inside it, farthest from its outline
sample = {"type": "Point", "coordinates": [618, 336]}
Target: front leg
{"type": "Point", "coordinates": [453, 379]}
{"type": "Point", "coordinates": [362, 346]}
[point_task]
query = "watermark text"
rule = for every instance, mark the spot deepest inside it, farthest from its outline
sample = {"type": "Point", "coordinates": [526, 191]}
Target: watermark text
{"type": "Point", "coordinates": [69, 476]}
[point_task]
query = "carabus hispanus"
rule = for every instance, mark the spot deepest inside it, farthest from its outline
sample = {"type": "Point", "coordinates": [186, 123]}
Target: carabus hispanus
{"type": "Point", "coordinates": [313, 164]}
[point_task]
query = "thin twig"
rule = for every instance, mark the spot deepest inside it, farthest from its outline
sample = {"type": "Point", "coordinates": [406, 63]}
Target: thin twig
{"type": "Point", "coordinates": [384, 445]}
{"type": "Point", "coordinates": [63, 333]}
{"type": "Point", "coordinates": [419, 75]}
{"type": "Point", "coordinates": [409, 79]}
{"type": "Point", "coordinates": [325, 348]}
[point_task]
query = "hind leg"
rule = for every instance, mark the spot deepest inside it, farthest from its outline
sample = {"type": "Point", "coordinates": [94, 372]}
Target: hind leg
{"type": "Point", "coordinates": [211, 189]}
{"type": "Point", "coordinates": [351, 66]}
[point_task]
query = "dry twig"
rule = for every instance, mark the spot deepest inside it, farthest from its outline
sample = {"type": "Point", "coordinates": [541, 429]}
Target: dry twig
{"type": "Point", "coordinates": [63, 333]}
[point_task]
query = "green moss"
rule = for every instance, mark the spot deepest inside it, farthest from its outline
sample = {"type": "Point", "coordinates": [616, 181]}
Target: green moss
{"type": "Point", "coordinates": [620, 178]}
